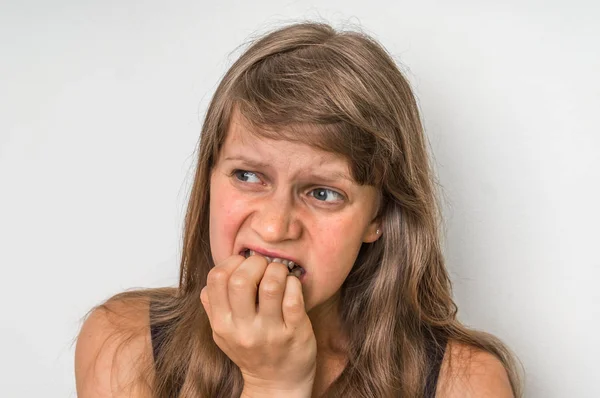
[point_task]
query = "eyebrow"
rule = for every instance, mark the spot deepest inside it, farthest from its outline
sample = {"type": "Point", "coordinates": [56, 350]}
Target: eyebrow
{"type": "Point", "coordinates": [332, 176]}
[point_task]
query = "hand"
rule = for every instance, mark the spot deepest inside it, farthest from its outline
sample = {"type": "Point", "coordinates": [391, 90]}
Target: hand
{"type": "Point", "coordinates": [272, 342]}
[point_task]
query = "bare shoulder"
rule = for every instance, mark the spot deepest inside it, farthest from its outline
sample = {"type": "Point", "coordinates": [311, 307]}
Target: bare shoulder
{"type": "Point", "coordinates": [469, 372]}
{"type": "Point", "coordinates": [113, 350]}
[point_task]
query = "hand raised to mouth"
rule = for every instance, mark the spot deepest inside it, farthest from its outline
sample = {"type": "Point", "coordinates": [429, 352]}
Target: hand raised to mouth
{"type": "Point", "coordinates": [272, 343]}
{"type": "Point", "coordinates": [295, 269]}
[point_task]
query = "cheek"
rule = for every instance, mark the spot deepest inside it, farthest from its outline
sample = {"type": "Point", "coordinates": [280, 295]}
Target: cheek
{"type": "Point", "coordinates": [341, 234]}
{"type": "Point", "coordinates": [339, 243]}
{"type": "Point", "coordinates": [227, 212]}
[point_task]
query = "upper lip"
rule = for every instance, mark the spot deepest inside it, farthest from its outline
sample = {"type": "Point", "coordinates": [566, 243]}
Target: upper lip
{"type": "Point", "coordinates": [271, 254]}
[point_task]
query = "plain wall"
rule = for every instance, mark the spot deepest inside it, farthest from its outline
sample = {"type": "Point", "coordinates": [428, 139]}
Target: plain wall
{"type": "Point", "coordinates": [101, 105]}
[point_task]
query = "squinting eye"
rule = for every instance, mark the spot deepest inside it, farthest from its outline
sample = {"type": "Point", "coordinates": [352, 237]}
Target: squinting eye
{"type": "Point", "coordinates": [243, 175]}
{"type": "Point", "coordinates": [321, 194]}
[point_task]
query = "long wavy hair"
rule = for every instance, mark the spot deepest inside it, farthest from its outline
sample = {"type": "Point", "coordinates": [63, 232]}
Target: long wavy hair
{"type": "Point", "coordinates": [342, 92]}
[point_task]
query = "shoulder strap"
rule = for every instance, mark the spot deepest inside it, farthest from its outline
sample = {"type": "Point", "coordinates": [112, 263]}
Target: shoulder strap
{"type": "Point", "coordinates": [156, 333]}
{"type": "Point", "coordinates": [157, 336]}
{"type": "Point", "coordinates": [435, 351]}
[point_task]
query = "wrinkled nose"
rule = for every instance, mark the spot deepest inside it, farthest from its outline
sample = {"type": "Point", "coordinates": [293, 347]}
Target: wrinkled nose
{"type": "Point", "coordinates": [275, 220]}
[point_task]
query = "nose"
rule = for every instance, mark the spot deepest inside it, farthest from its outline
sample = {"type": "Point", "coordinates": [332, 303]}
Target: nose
{"type": "Point", "coordinates": [275, 220]}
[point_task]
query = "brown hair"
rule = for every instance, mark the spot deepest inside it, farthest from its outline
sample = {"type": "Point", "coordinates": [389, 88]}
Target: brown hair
{"type": "Point", "coordinates": [341, 92]}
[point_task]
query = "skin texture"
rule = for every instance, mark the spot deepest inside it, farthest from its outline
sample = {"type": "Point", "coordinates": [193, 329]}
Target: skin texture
{"type": "Point", "coordinates": [290, 205]}
{"type": "Point", "coordinates": [471, 373]}
{"type": "Point", "coordinates": [106, 366]}
{"type": "Point", "coordinates": [278, 209]}
{"type": "Point", "coordinates": [273, 343]}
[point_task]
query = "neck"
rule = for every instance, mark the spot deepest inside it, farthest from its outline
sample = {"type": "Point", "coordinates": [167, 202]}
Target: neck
{"type": "Point", "coordinates": [331, 345]}
{"type": "Point", "coordinates": [326, 323]}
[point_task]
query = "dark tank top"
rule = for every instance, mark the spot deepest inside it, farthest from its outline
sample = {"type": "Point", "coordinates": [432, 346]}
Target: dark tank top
{"type": "Point", "coordinates": [436, 348]}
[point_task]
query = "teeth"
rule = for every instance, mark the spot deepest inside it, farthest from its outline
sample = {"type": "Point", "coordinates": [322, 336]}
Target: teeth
{"type": "Point", "coordinates": [297, 272]}
{"type": "Point", "coordinates": [288, 263]}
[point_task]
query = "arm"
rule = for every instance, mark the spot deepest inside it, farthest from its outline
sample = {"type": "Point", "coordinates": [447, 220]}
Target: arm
{"type": "Point", "coordinates": [110, 352]}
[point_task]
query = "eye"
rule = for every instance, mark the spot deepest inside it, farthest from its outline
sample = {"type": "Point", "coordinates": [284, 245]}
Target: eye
{"type": "Point", "coordinates": [244, 175]}
{"type": "Point", "coordinates": [322, 194]}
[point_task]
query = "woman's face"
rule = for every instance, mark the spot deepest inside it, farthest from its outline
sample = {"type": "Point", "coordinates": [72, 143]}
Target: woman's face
{"type": "Point", "coordinates": [291, 199]}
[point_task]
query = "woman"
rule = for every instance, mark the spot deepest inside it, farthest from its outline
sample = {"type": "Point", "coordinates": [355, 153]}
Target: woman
{"type": "Point", "coordinates": [311, 263]}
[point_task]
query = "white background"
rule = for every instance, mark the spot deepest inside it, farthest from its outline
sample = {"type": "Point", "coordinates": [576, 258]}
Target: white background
{"type": "Point", "coordinates": [100, 110]}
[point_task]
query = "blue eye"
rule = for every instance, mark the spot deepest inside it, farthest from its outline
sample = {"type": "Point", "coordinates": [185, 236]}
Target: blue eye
{"type": "Point", "coordinates": [243, 175]}
{"type": "Point", "coordinates": [321, 194]}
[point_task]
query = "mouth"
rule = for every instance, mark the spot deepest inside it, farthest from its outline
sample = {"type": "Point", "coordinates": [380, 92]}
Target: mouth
{"type": "Point", "coordinates": [293, 268]}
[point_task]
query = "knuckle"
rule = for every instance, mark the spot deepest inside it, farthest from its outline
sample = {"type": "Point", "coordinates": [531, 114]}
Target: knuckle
{"type": "Point", "coordinates": [238, 282]}
{"type": "Point", "coordinates": [217, 276]}
{"type": "Point", "coordinates": [271, 287]}
{"type": "Point", "coordinates": [293, 305]}
{"type": "Point", "coordinates": [246, 341]}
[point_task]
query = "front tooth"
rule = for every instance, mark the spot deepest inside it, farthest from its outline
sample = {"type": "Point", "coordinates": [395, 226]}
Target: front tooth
{"type": "Point", "coordinates": [277, 260]}
{"type": "Point", "coordinates": [251, 252]}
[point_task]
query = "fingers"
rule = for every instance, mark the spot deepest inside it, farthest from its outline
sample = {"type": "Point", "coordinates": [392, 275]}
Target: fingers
{"type": "Point", "coordinates": [243, 287]}
{"type": "Point", "coordinates": [294, 313]}
{"type": "Point", "coordinates": [271, 291]}
{"type": "Point", "coordinates": [229, 298]}
{"type": "Point", "coordinates": [215, 292]}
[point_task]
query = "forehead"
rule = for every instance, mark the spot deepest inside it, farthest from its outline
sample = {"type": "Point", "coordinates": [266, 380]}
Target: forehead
{"type": "Point", "coordinates": [281, 148]}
